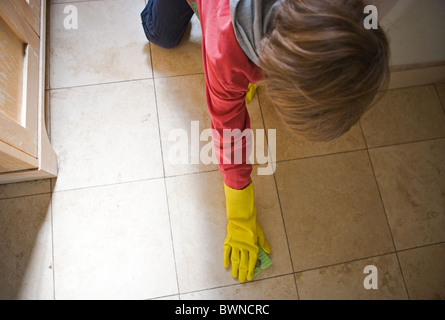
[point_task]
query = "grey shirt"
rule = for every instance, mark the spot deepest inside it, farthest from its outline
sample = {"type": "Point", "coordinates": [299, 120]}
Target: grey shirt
{"type": "Point", "coordinates": [251, 20]}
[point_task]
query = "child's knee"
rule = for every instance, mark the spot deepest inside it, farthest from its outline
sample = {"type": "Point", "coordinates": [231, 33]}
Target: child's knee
{"type": "Point", "coordinates": [162, 27]}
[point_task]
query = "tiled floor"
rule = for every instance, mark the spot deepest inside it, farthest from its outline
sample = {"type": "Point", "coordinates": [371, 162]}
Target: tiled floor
{"type": "Point", "coordinates": [123, 222]}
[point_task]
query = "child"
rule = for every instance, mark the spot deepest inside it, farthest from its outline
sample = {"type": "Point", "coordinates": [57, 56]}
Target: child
{"type": "Point", "coordinates": [321, 67]}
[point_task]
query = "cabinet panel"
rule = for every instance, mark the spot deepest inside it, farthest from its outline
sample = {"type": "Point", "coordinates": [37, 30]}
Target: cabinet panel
{"type": "Point", "coordinates": [12, 53]}
{"type": "Point", "coordinates": [19, 78]}
{"type": "Point", "coordinates": [25, 149]}
{"type": "Point", "coordinates": [30, 10]}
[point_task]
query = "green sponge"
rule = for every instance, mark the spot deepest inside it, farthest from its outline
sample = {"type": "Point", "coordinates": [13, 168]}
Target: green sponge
{"type": "Point", "coordinates": [264, 260]}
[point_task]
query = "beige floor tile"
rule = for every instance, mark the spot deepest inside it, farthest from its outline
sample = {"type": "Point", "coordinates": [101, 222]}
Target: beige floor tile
{"type": "Point", "coordinates": [185, 59]}
{"type": "Point", "coordinates": [278, 288]}
{"type": "Point", "coordinates": [404, 115]}
{"type": "Point", "coordinates": [332, 210]}
{"type": "Point", "coordinates": [198, 218]}
{"type": "Point", "coordinates": [113, 242]}
{"type": "Point", "coordinates": [347, 281]}
{"type": "Point", "coordinates": [105, 134]}
{"type": "Point", "coordinates": [109, 44]}
{"type": "Point", "coordinates": [289, 146]}
{"type": "Point", "coordinates": [423, 269]}
{"type": "Point", "coordinates": [412, 184]}
{"type": "Point", "coordinates": [26, 263]}
{"type": "Point", "coordinates": [183, 118]}
{"type": "Point", "coordinates": [181, 104]}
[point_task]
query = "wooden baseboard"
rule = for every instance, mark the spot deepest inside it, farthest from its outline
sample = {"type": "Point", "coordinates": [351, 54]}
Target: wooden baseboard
{"type": "Point", "coordinates": [417, 75]}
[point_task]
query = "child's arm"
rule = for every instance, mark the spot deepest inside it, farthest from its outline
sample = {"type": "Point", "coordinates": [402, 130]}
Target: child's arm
{"type": "Point", "coordinates": [227, 106]}
{"type": "Point", "coordinates": [228, 73]}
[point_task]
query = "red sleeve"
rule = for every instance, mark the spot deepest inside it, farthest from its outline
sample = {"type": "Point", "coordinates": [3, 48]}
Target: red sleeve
{"type": "Point", "coordinates": [228, 73]}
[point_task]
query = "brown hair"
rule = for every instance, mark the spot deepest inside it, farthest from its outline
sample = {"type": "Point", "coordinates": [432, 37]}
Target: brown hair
{"type": "Point", "coordinates": [322, 68]}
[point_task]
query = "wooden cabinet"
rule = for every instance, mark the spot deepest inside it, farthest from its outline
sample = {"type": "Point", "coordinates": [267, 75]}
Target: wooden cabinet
{"type": "Point", "coordinates": [25, 150]}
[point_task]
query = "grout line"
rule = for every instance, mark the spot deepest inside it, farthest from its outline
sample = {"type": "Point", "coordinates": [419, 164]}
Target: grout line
{"type": "Point", "coordinates": [319, 155]}
{"type": "Point", "coordinates": [164, 180]}
{"type": "Point", "coordinates": [126, 182]}
{"type": "Point", "coordinates": [51, 189]}
{"type": "Point", "coordinates": [285, 232]}
{"type": "Point", "coordinates": [127, 80]}
{"type": "Point", "coordinates": [383, 206]}
{"type": "Point", "coordinates": [410, 87]}
{"type": "Point", "coordinates": [356, 150]}
{"type": "Point", "coordinates": [190, 174]}
{"type": "Point", "coordinates": [52, 247]}
{"type": "Point", "coordinates": [278, 194]}
{"type": "Point", "coordinates": [363, 134]}
{"type": "Point", "coordinates": [107, 184]}
{"type": "Point", "coordinates": [387, 221]}
{"type": "Point", "coordinates": [180, 75]}
{"type": "Point", "coordinates": [438, 96]}
{"type": "Point", "coordinates": [202, 172]}
{"type": "Point", "coordinates": [99, 84]}
{"type": "Point", "coordinates": [238, 284]}
{"type": "Point", "coordinates": [405, 143]}
{"type": "Point", "coordinates": [164, 296]}
{"type": "Point", "coordinates": [52, 236]}
{"type": "Point", "coordinates": [345, 262]}
{"type": "Point", "coordinates": [421, 246]}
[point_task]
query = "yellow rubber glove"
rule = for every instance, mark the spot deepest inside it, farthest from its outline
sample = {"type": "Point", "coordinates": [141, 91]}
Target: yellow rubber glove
{"type": "Point", "coordinates": [250, 92]}
{"type": "Point", "coordinates": [243, 233]}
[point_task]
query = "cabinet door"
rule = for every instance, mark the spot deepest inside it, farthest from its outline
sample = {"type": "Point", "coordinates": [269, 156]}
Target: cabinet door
{"type": "Point", "coordinates": [19, 84]}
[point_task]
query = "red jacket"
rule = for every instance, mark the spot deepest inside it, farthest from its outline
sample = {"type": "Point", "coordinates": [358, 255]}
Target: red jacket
{"type": "Point", "coordinates": [228, 72]}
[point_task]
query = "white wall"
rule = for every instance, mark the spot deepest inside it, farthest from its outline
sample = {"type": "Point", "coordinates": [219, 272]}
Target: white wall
{"type": "Point", "coordinates": [416, 29]}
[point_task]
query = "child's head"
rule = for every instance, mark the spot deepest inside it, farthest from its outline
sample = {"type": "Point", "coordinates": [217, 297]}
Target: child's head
{"type": "Point", "coordinates": [322, 68]}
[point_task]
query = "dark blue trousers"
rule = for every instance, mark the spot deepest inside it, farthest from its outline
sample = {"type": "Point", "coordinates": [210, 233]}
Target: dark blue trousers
{"type": "Point", "coordinates": [165, 21]}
